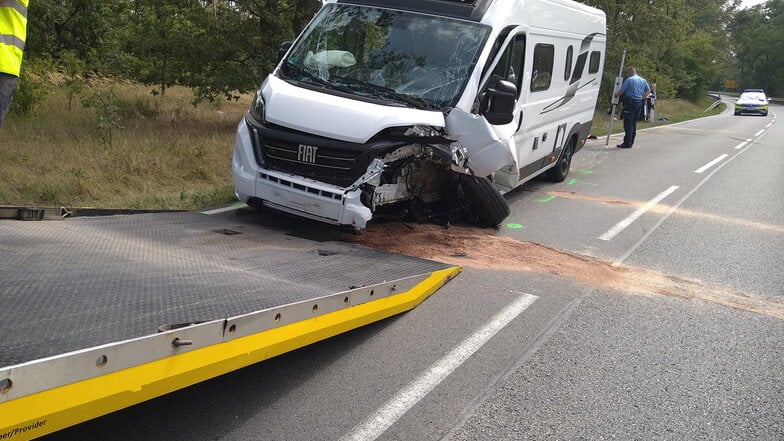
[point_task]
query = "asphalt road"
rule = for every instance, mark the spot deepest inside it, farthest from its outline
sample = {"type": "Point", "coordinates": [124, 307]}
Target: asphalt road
{"type": "Point", "coordinates": [689, 346]}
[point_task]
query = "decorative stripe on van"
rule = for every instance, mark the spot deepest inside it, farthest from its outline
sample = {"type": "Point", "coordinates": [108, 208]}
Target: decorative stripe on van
{"type": "Point", "coordinates": [574, 83]}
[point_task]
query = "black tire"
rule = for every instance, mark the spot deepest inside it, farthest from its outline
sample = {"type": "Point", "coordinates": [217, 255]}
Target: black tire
{"type": "Point", "coordinates": [486, 201]}
{"type": "Point", "coordinates": [561, 169]}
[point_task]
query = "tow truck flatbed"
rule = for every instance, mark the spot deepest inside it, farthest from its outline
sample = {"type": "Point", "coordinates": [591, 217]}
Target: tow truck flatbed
{"type": "Point", "coordinates": [101, 313]}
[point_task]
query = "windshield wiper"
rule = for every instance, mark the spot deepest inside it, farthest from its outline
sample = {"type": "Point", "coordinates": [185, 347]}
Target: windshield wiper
{"type": "Point", "coordinates": [310, 78]}
{"type": "Point", "coordinates": [377, 91]}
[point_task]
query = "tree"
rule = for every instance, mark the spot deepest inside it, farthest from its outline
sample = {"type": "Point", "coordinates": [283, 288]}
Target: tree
{"type": "Point", "coordinates": [77, 27]}
{"type": "Point", "coordinates": [758, 36]}
{"type": "Point", "coordinates": [162, 37]}
{"type": "Point", "coordinates": [242, 45]}
{"type": "Point", "coordinates": [678, 44]}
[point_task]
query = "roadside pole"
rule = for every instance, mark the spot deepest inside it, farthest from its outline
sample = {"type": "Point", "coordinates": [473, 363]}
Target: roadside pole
{"type": "Point", "coordinates": [615, 100]}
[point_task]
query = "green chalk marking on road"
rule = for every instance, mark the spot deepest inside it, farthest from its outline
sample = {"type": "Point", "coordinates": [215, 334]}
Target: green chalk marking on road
{"type": "Point", "coordinates": [576, 181]}
{"type": "Point", "coordinates": [585, 172]}
{"type": "Point", "coordinates": [546, 199]}
{"type": "Point", "coordinates": [514, 226]}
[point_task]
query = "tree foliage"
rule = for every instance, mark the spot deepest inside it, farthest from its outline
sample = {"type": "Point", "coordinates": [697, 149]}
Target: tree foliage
{"type": "Point", "coordinates": [758, 39]}
{"type": "Point", "coordinates": [677, 44]}
{"type": "Point", "coordinates": [218, 47]}
{"type": "Point", "coordinates": [225, 47]}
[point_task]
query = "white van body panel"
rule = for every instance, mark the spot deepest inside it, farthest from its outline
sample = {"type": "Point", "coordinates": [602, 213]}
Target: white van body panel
{"type": "Point", "coordinates": [336, 117]}
{"type": "Point", "coordinates": [486, 151]}
{"type": "Point", "coordinates": [546, 120]}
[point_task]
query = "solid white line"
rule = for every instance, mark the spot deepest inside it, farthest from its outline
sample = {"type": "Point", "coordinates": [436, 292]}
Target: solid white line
{"type": "Point", "coordinates": [406, 398]}
{"type": "Point", "coordinates": [741, 145]}
{"type": "Point", "coordinates": [620, 226]}
{"type": "Point", "coordinates": [759, 133]}
{"type": "Point", "coordinates": [225, 209]}
{"type": "Point", "coordinates": [710, 164]}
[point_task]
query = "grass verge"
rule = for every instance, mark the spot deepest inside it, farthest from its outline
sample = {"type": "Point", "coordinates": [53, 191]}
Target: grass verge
{"type": "Point", "coordinates": [666, 112]}
{"type": "Point", "coordinates": [118, 146]}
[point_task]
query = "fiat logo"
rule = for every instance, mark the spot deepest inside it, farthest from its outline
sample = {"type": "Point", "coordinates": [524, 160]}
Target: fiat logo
{"type": "Point", "coordinates": [307, 153]}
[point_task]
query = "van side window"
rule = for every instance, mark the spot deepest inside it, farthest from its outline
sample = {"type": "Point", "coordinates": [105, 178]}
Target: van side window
{"type": "Point", "coordinates": [596, 58]}
{"type": "Point", "coordinates": [544, 55]}
{"type": "Point", "coordinates": [568, 65]}
{"type": "Point", "coordinates": [511, 63]}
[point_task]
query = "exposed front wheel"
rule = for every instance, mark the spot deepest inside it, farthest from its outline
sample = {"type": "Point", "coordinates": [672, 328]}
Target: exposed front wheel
{"type": "Point", "coordinates": [487, 203]}
{"type": "Point", "coordinates": [561, 169]}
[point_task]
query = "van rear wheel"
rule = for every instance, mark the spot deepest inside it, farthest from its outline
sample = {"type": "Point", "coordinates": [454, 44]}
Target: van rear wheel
{"type": "Point", "coordinates": [561, 169]}
{"type": "Point", "coordinates": [487, 203]}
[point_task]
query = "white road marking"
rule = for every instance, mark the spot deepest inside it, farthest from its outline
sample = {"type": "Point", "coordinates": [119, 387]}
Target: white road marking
{"type": "Point", "coordinates": [224, 209]}
{"type": "Point", "coordinates": [710, 164]}
{"type": "Point", "coordinates": [620, 226]}
{"type": "Point", "coordinates": [759, 133]}
{"type": "Point", "coordinates": [375, 425]}
{"type": "Point", "coordinates": [743, 144]}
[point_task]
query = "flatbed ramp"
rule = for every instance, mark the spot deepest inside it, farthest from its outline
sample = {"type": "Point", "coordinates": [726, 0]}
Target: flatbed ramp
{"type": "Point", "coordinates": [101, 313]}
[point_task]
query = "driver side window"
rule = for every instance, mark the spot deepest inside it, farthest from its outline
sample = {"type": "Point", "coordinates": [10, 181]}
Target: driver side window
{"type": "Point", "coordinates": [511, 63]}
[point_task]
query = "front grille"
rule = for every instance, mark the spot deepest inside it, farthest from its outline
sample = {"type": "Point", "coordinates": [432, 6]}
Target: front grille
{"type": "Point", "coordinates": [322, 159]}
{"type": "Point", "coordinates": [320, 163]}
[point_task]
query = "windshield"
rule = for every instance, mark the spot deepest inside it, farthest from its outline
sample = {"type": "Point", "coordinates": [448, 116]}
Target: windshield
{"type": "Point", "coordinates": [752, 96]}
{"type": "Point", "coordinates": [396, 57]}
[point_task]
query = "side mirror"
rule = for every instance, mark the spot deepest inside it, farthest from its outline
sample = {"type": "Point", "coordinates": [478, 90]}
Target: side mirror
{"type": "Point", "coordinates": [498, 103]}
{"type": "Point", "coordinates": [283, 48]}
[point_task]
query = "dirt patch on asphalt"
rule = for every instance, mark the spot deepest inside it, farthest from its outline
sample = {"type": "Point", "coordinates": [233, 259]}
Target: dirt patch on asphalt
{"type": "Point", "coordinates": [593, 198]}
{"type": "Point", "coordinates": [661, 208]}
{"type": "Point", "coordinates": [483, 249]}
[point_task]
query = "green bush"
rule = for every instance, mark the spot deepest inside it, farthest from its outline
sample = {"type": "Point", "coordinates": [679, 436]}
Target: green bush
{"type": "Point", "coordinates": [31, 90]}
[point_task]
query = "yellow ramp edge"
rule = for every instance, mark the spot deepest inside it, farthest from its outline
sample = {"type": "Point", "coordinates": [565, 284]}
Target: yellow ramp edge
{"type": "Point", "coordinates": [51, 410]}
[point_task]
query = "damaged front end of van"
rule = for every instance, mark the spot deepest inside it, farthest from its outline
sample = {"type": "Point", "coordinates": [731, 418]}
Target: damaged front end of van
{"type": "Point", "coordinates": [435, 168]}
{"type": "Point", "coordinates": [374, 128]}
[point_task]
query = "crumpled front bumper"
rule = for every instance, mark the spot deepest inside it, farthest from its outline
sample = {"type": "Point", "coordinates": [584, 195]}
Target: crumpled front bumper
{"type": "Point", "coordinates": [293, 194]}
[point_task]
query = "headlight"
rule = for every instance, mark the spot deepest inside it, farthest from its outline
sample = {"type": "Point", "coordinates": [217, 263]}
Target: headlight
{"type": "Point", "coordinates": [257, 107]}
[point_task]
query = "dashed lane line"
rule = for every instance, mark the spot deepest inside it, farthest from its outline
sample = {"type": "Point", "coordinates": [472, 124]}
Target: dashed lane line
{"type": "Point", "coordinates": [622, 225]}
{"type": "Point", "coordinates": [710, 164]}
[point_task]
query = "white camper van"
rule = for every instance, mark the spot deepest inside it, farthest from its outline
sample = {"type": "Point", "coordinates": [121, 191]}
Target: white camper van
{"type": "Point", "coordinates": [418, 107]}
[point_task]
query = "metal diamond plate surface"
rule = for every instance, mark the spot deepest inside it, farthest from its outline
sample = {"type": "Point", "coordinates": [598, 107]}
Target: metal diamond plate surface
{"type": "Point", "coordinates": [82, 282]}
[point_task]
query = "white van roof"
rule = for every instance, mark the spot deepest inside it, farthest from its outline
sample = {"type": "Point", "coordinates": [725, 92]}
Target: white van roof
{"type": "Point", "coordinates": [466, 9]}
{"type": "Point", "coordinates": [558, 15]}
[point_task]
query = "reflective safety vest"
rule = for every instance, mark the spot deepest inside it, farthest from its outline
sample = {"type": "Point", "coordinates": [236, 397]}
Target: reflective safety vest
{"type": "Point", "coordinates": [13, 33]}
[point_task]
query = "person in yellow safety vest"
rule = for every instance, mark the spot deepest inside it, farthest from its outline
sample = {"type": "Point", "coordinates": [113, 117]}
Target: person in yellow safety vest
{"type": "Point", "coordinates": [13, 33]}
